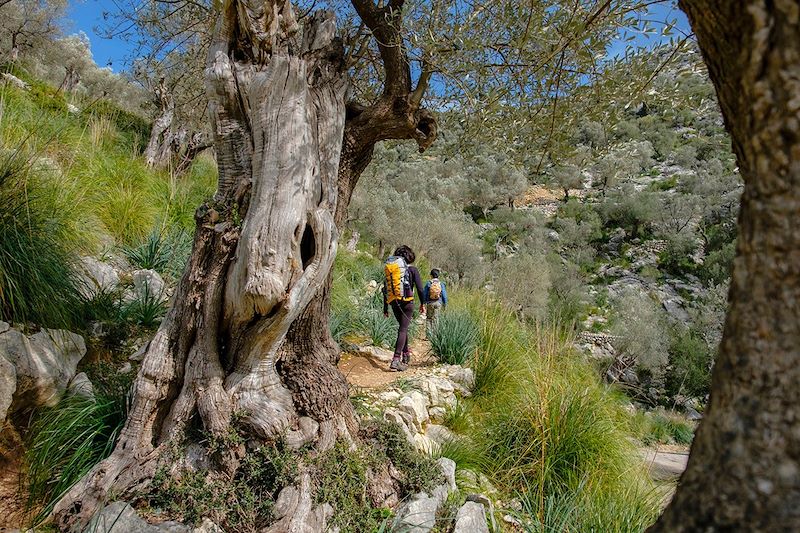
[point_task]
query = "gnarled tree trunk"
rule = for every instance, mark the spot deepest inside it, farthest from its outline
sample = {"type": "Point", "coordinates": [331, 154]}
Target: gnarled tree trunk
{"type": "Point", "coordinates": [744, 469]}
{"type": "Point", "coordinates": [248, 329]}
{"type": "Point", "coordinates": [158, 147]}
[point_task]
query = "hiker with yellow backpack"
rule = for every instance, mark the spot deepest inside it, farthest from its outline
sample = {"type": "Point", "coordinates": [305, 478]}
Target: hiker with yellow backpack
{"type": "Point", "coordinates": [400, 279]}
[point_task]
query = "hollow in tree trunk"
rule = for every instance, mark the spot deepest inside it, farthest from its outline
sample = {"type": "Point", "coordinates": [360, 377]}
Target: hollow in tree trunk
{"type": "Point", "coordinates": [744, 469]}
{"type": "Point", "coordinates": [248, 329]}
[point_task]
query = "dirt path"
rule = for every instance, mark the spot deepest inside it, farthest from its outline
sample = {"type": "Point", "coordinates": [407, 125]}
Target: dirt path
{"type": "Point", "coordinates": [369, 372]}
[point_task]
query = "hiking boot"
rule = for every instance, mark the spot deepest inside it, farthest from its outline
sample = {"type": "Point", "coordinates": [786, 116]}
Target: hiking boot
{"type": "Point", "coordinates": [406, 358]}
{"type": "Point", "coordinates": [397, 365]}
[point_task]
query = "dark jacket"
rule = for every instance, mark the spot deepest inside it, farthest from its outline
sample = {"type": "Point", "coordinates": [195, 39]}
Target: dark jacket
{"type": "Point", "coordinates": [416, 281]}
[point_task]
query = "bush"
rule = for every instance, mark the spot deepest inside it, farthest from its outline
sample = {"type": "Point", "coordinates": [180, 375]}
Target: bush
{"type": "Point", "coordinates": [37, 280]}
{"type": "Point", "coordinates": [66, 441]}
{"type": "Point", "coordinates": [691, 362]}
{"type": "Point", "coordinates": [662, 428]}
{"type": "Point", "coordinates": [454, 337]}
{"type": "Point", "coordinates": [244, 503]}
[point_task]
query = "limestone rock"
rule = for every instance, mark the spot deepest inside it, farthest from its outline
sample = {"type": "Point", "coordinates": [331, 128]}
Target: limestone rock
{"type": "Point", "coordinates": [81, 386]}
{"type": "Point", "coordinates": [439, 434]}
{"type": "Point", "coordinates": [392, 415]}
{"type": "Point", "coordinates": [418, 515]}
{"type": "Point", "coordinates": [448, 467]}
{"type": "Point", "coordinates": [8, 386]}
{"type": "Point", "coordinates": [425, 445]}
{"type": "Point", "coordinates": [172, 526]}
{"type": "Point", "coordinates": [148, 284]}
{"type": "Point", "coordinates": [13, 80]}
{"type": "Point", "coordinates": [96, 277]}
{"type": "Point", "coordinates": [437, 414]}
{"type": "Point", "coordinates": [461, 375]}
{"type": "Point", "coordinates": [119, 517]}
{"type": "Point", "coordinates": [376, 352]}
{"type": "Point", "coordinates": [415, 404]}
{"type": "Point", "coordinates": [471, 518]}
{"type": "Point", "coordinates": [45, 364]}
{"type": "Point", "coordinates": [440, 391]}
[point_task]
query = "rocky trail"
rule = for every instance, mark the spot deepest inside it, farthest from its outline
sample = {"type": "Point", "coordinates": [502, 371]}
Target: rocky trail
{"type": "Point", "coordinates": [368, 368]}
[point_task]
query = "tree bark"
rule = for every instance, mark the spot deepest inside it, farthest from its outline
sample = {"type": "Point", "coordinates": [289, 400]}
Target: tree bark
{"type": "Point", "coordinates": [248, 329]}
{"type": "Point", "coordinates": [744, 469]}
{"type": "Point", "coordinates": [158, 147]}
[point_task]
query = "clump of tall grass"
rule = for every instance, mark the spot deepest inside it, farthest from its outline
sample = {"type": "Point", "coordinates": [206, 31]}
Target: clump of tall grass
{"type": "Point", "coordinates": [544, 429]}
{"type": "Point", "coordinates": [381, 331]}
{"type": "Point", "coordinates": [37, 280]}
{"type": "Point", "coordinates": [454, 337]}
{"type": "Point", "coordinates": [66, 441]}
{"type": "Point", "coordinates": [662, 428]}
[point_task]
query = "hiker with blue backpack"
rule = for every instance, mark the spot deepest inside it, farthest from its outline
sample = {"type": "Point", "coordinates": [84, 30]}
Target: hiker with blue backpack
{"type": "Point", "coordinates": [400, 279]}
{"type": "Point", "coordinates": [434, 295]}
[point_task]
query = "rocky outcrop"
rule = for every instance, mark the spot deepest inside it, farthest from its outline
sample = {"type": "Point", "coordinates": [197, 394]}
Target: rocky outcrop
{"type": "Point", "coordinates": [43, 364]}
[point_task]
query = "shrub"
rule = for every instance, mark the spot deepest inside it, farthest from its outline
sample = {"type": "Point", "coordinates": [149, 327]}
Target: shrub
{"type": "Point", "coordinates": [37, 281]}
{"type": "Point", "coordinates": [66, 441]}
{"type": "Point", "coordinates": [691, 362]}
{"type": "Point", "coordinates": [662, 428]}
{"type": "Point", "coordinates": [639, 326]}
{"type": "Point", "coordinates": [243, 503]}
{"type": "Point", "coordinates": [341, 475]}
{"type": "Point", "coordinates": [454, 337]}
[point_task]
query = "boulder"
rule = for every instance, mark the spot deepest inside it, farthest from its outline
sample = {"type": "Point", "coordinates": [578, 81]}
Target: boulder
{"type": "Point", "coordinates": [96, 277]}
{"type": "Point", "coordinates": [471, 518]}
{"type": "Point", "coordinates": [437, 414]}
{"type": "Point", "coordinates": [418, 515]}
{"type": "Point", "coordinates": [45, 364]}
{"type": "Point", "coordinates": [415, 404]}
{"type": "Point", "coordinates": [81, 386]}
{"type": "Point", "coordinates": [148, 283]}
{"type": "Point", "coordinates": [461, 375]}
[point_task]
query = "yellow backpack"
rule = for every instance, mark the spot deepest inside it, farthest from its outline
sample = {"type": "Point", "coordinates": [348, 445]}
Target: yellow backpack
{"type": "Point", "coordinates": [398, 283]}
{"type": "Point", "coordinates": [435, 290]}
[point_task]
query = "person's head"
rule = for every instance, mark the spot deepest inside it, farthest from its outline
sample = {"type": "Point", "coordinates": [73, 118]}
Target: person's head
{"type": "Point", "coordinates": [406, 253]}
{"type": "Point", "coordinates": [435, 273]}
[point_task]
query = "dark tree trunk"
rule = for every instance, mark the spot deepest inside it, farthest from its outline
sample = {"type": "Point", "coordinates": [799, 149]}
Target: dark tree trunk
{"type": "Point", "coordinates": [248, 330]}
{"type": "Point", "coordinates": [744, 469]}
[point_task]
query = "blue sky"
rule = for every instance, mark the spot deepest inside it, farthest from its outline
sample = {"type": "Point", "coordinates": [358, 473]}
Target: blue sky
{"type": "Point", "coordinates": [87, 16]}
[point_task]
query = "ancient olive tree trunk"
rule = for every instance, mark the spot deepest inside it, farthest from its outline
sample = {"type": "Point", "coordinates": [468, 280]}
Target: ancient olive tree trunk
{"type": "Point", "coordinates": [248, 329]}
{"type": "Point", "coordinates": [744, 469]}
{"type": "Point", "coordinates": [262, 252]}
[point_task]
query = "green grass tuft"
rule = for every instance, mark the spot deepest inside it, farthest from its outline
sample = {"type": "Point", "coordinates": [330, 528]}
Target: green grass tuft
{"type": "Point", "coordinates": [454, 337]}
{"type": "Point", "coordinates": [66, 441]}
